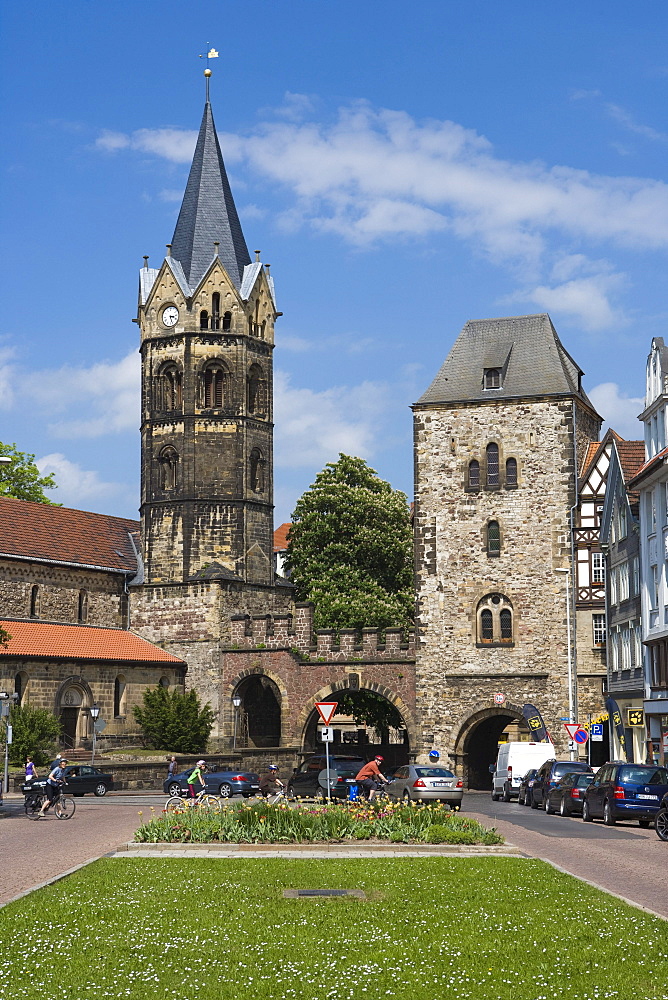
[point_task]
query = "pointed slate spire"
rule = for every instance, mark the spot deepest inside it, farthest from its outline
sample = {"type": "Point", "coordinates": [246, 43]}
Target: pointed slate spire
{"type": "Point", "coordinates": [208, 213]}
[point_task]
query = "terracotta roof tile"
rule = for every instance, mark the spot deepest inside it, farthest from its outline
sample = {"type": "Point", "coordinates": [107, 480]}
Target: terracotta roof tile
{"type": "Point", "coordinates": [631, 456]}
{"type": "Point", "coordinates": [589, 456]}
{"type": "Point", "coordinates": [655, 460]}
{"type": "Point", "coordinates": [281, 537]}
{"type": "Point", "coordinates": [52, 641]}
{"type": "Point", "coordinates": [60, 534]}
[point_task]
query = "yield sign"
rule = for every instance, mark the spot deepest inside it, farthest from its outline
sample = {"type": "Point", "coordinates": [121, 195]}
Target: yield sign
{"type": "Point", "coordinates": [326, 710]}
{"type": "Point", "coordinates": [571, 728]}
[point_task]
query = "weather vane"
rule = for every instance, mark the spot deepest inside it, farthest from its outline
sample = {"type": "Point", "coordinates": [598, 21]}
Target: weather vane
{"type": "Point", "coordinates": [211, 54]}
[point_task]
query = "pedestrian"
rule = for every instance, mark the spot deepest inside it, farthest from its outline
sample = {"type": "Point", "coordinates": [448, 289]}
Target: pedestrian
{"type": "Point", "coordinates": [171, 770]}
{"type": "Point", "coordinates": [31, 773]}
{"type": "Point", "coordinates": [56, 762]}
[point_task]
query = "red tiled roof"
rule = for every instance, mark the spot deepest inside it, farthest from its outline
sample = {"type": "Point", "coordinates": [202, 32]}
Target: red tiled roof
{"type": "Point", "coordinates": [649, 464]}
{"type": "Point", "coordinates": [59, 534]}
{"type": "Point", "coordinates": [631, 456]}
{"type": "Point", "coordinates": [281, 537]}
{"type": "Point", "coordinates": [52, 641]}
{"type": "Point", "coordinates": [590, 454]}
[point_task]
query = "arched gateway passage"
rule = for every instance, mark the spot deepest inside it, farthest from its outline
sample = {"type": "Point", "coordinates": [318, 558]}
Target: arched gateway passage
{"type": "Point", "coordinates": [366, 723]}
{"type": "Point", "coordinates": [478, 742]}
{"type": "Point", "coordinates": [259, 722]}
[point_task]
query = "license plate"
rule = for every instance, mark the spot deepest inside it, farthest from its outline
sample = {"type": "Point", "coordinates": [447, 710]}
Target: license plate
{"type": "Point", "coordinates": [441, 784]}
{"type": "Point", "coordinates": [253, 787]}
{"type": "Point", "coordinates": [655, 798]}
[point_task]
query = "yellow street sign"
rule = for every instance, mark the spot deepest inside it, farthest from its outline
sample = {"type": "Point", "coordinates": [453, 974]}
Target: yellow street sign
{"type": "Point", "coordinates": [636, 717]}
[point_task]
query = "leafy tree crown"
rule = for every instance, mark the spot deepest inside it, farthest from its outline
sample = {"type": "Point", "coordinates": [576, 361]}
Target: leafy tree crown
{"type": "Point", "coordinates": [20, 477]}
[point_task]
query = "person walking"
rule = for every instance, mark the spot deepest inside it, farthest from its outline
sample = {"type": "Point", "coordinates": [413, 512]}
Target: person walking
{"type": "Point", "coordinates": [171, 770]}
{"type": "Point", "coordinates": [31, 772]}
{"type": "Point", "coordinates": [369, 776]}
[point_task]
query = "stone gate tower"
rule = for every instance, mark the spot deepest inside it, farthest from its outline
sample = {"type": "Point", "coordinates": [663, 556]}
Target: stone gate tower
{"type": "Point", "coordinates": [499, 437]}
{"type": "Point", "coordinates": [207, 334]}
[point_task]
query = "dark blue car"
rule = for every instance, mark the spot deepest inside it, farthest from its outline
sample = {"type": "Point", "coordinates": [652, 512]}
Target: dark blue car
{"type": "Point", "coordinates": [223, 783]}
{"type": "Point", "coordinates": [625, 791]}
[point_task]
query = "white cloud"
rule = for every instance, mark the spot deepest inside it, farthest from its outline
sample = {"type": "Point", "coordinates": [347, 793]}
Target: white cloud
{"type": "Point", "coordinates": [313, 427]}
{"type": "Point", "coordinates": [104, 397]}
{"type": "Point", "coordinates": [177, 145]}
{"type": "Point", "coordinates": [626, 119]}
{"type": "Point", "coordinates": [7, 377]}
{"type": "Point", "coordinates": [619, 411]}
{"type": "Point", "coordinates": [75, 485]}
{"type": "Point", "coordinates": [586, 300]}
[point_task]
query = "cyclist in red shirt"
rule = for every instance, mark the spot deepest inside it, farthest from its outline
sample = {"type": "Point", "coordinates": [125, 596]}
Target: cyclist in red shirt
{"type": "Point", "coordinates": [368, 777]}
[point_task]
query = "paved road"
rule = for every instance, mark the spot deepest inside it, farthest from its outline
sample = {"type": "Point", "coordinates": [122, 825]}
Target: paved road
{"type": "Point", "coordinates": [623, 859]}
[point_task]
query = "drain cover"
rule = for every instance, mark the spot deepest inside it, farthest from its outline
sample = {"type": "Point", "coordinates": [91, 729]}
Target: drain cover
{"type": "Point", "coordinates": [310, 893]}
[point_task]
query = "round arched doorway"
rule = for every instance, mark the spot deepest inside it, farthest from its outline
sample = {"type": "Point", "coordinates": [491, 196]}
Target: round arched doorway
{"type": "Point", "coordinates": [71, 712]}
{"type": "Point", "coordinates": [259, 720]}
{"type": "Point", "coordinates": [366, 723]}
{"type": "Point", "coordinates": [478, 743]}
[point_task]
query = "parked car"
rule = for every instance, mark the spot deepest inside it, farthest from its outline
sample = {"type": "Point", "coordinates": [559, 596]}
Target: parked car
{"type": "Point", "coordinates": [525, 785]}
{"type": "Point", "coordinates": [661, 819]}
{"type": "Point", "coordinates": [304, 781]}
{"type": "Point", "coordinates": [223, 783]}
{"type": "Point", "coordinates": [625, 791]}
{"type": "Point", "coordinates": [567, 797]}
{"type": "Point", "coordinates": [549, 776]}
{"type": "Point", "coordinates": [421, 783]}
{"type": "Point", "coordinates": [80, 780]}
{"type": "Point", "coordinates": [513, 760]}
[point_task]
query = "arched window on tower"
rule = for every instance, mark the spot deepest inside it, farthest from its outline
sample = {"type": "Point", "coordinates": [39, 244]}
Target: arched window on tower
{"type": "Point", "coordinates": [169, 468]}
{"type": "Point", "coordinates": [20, 684]}
{"type": "Point", "coordinates": [255, 391]}
{"type": "Point", "coordinates": [169, 395]}
{"type": "Point", "coordinates": [474, 475]}
{"type": "Point", "coordinates": [511, 473]}
{"type": "Point", "coordinates": [492, 454]}
{"type": "Point", "coordinates": [215, 311]}
{"type": "Point", "coordinates": [256, 471]}
{"type": "Point", "coordinates": [34, 601]}
{"type": "Point", "coordinates": [493, 539]}
{"type": "Point", "coordinates": [204, 320]}
{"type": "Point", "coordinates": [494, 616]}
{"type": "Point", "coordinates": [82, 612]}
{"type": "Point", "coordinates": [227, 321]}
{"type": "Point", "coordinates": [214, 378]}
{"type": "Point", "coordinates": [119, 696]}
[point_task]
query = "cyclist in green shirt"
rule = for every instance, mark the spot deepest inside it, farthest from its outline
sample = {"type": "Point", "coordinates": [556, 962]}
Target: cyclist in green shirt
{"type": "Point", "coordinates": [197, 777]}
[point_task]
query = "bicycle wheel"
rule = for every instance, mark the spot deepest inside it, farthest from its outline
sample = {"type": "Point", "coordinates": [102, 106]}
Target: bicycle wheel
{"type": "Point", "coordinates": [32, 807]}
{"type": "Point", "coordinates": [175, 805]}
{"type": "Point", "coordinates": [210, 802]}
{"type": "Point", "coordinates": [64, 808]}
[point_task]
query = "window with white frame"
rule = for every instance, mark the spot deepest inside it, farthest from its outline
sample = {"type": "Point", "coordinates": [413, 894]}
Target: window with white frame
{"type": "Point", "coordinates": [623, 582]}
{"type": "Point", "coordinates": [654, 595]}
{"type": "Point", "coordinates": [635, 564]}
{"type": "Point", "coordinates": [623, 531]}
{"type": "Point", "coordinates": [615, 650]}
{"type": "Point", "coordinates": [637, 642]}
{"type": "Point", "coordinates": [613, 585]}
{"type": "Point", "coordinates": [626, 648]}
{"type": "Point", "coordinates": [597, 567]}
{"type": "Point", "coordinates": [598, 628]}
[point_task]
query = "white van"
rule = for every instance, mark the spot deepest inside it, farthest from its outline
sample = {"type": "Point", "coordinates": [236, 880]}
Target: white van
{"type": "Point", "coordinates": [513, 762]}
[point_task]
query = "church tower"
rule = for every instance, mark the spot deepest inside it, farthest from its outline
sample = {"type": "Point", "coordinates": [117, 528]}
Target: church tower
{"type": "Point", "coordinates": [206, 318]}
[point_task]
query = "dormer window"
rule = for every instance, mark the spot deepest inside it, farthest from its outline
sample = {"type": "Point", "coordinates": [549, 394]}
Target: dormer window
{"type": "Point", "coordinates": [492, 379]}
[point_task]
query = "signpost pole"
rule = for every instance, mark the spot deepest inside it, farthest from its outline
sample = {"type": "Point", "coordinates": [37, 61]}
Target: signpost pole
{"type": "Point", "coordinates": [589, 743]}
{"type": "Point", "coordinates": [329, 791]}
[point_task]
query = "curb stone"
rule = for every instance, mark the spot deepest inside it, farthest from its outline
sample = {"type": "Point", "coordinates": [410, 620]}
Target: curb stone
{"type": "Point", "coordinates": [356, 848]}
{"type": "Point", "coordinates": [602, 888]}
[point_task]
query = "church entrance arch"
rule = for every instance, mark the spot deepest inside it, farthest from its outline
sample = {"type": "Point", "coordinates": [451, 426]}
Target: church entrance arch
{"type": "Point", "coordinates": [478, 742]}
{"type": "Point", "coordinates": [388, 737]}
{"type": "Point", "coordinates": [259, 721]}
{"type": "Point", "coordinates": [72, 703]}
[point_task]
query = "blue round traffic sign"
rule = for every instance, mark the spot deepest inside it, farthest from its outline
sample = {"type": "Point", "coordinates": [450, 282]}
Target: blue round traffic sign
{"type": "Point", "coordinates": [581, 736]}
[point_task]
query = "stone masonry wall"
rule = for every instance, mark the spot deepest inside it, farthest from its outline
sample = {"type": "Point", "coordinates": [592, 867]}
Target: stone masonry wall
{"type": "Point", "coordinates": [59, 588]}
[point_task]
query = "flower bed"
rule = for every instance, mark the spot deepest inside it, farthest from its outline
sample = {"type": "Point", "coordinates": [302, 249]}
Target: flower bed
{"type": "Point", "coordinates": [341, 821]}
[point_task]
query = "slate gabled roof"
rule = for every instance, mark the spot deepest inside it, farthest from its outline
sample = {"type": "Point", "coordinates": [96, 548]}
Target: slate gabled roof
{"type": "Point", "coordinates": [52, 641]}
{"type": "Point", "coordinates": [526, 348]}
{"type": "Point", "coordinates": [208, 213]}
{"type": "Point", "coordinates": [37, 531]}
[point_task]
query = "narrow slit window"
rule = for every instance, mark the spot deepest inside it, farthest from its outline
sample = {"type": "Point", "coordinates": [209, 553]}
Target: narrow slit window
{"type": "Point", "coordinates": [474, 475]}
{"type": "Point", "coordinates": [204, 320]}
{"type": "Point", "coordinates": [227, 321]}
{"type": "Point", "coordinates": [493, 539]}
{"type": "Point", "coordinates": [506, 621]}
{"type": "Point", "coordinates": [215, 311]}
{"type": "Point", "coordinates": [511, 472]}
{"type": "Point", "coordinates": [492, 464]}
{"type": "Point", "coordinates": [486, 626]}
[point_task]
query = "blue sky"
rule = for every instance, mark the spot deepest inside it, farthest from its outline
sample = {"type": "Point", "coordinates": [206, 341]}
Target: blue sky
{"type": "Point", "coordinates": [403, 168]}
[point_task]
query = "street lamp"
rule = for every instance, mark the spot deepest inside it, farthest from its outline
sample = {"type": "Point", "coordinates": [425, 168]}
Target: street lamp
{"type": "Point", "coordinates": [571, 705]}
{"type": "Point", "coordinates": [94, 713]}
{"type": "Point", "coordinates": [236, 701]}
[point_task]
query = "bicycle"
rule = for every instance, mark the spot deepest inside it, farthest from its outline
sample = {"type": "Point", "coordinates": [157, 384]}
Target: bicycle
{"type": "Point", "coordinates": [178, 804]}
{"type": "Point", "coordinates": [63, 807]}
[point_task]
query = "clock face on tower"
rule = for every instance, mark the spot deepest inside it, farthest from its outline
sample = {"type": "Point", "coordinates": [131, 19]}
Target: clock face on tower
{"type": "Point", "coordinates": [170, 315]}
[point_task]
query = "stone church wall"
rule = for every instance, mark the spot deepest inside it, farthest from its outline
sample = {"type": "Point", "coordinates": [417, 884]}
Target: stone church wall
{"type": "Point", "coordinates": [59, 588]}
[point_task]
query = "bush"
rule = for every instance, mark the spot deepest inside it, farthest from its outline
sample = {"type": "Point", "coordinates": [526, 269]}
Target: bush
{"type": "Point", "coordinates": [36, 731]}
{"type": "Point", "coordinates": [174, 721]}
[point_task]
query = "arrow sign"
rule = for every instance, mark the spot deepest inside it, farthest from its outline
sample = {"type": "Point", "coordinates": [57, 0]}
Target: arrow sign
{"type": "Point", "coordinates": [326, 710]}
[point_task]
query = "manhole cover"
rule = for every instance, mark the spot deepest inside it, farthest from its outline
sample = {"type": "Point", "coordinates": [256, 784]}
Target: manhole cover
{"type": "Point", "coordinates": [310, 893]}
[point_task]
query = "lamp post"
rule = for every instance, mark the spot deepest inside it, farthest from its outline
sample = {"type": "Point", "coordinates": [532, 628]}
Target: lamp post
{"type": "Point", "coordinates": [571, 705]}
{"type": "Point", "coordinates": [94, 713]}
{"type": "Point", "coordinates": [236, 701]}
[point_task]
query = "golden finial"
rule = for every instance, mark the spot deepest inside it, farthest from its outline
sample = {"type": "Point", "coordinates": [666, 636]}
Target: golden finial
{"type": "Point", "coordinates": [211, 54]}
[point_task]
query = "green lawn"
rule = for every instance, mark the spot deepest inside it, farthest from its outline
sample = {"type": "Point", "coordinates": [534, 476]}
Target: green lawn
{"type": "Point", "coordinates": [481, 928]}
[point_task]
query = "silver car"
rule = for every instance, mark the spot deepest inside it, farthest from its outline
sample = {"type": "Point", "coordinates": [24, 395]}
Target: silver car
{"type": "Point", "coordinates": [422, 782]}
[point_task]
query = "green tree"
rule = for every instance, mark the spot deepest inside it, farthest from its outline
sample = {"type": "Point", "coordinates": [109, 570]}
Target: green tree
{"type": "Point", "coordinates": [20, 477]}
{"type": "Point", "coordinates": [35, 731]}
{"type": "Point", "coordinates": [369, 709]}
{"type": "Point", "coordinates": [350, 549]}
{"type": "Point", "coordinates": [174, 721]}
{"type": "Point", "coordinates": [4, 637]}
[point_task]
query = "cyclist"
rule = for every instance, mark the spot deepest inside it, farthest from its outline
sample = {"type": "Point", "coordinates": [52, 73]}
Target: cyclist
{"type": "Point", "coordinates": [270, 783]}
{"type": "Point", "coordinates": [197, 776]}
{"type": "Point", "coordinates": [54, 783]}
{"type": "Point", "coordinates": [368, 777]}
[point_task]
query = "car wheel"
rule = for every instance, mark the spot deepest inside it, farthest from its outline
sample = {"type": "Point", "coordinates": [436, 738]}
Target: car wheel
{"type": "Point", "coordinates": [586, 815]}
{"type": "Point", "coordinates": [645, 823]}
{"type": "Point", "coordinates": [608, 818]}
{"type": "Point", "coordinates": [534, 804]}
{"type": "Point", "coordinates": [174, 789]}
{"type": "Point", "coordinates": [548, 808]}
{"type": "Point", "coordinates": [562, 808]}
{"type": "Point", "coordinates": [320, 795]}
{"type": "Point", "coordinates": [661, 824]}
{"type": "Point", "coordinates": [290, 794]}
{"type": "Point", "coordinates": [100, 789]}
{"type": "Point", "coordinates": [225, 791]}
{"type": "Point", "coordinates": [495, 797]}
